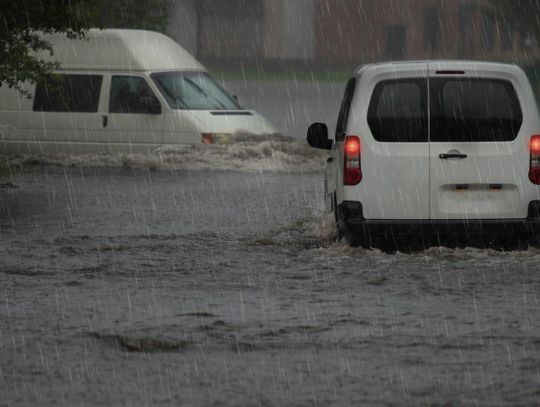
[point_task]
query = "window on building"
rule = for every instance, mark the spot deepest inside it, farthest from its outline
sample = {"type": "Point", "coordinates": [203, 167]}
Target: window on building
{"type": "Point", "coordinates": [431, 28]}
{"type": "Point", "coordinates": [232, 7]}
{"type": "Point", "coordinates": [506, 36]}
{"type": "Point", "coordinates": [488, 31]}
{"type": "Point", "coordinates": [68, 93]}
{"type": "Point", "coordinates": [396, 41]}
{"type": "Point", "coordinates": [131, 94]}
{"type": "Point", "coordinates": [526, 41]}
{"type": "Point", "coordinates": [465, 31]}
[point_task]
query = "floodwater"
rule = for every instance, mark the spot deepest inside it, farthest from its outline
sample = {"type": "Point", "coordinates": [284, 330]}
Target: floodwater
{"type": "Point", "coordinates": [140, 281]}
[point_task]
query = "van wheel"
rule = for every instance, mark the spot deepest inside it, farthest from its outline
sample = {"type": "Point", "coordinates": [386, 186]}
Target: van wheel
{"type": "Point", "coordinates": [343, 231]}
{"type": "Point", "coordinates": [340, 234]}
{"type": "Point", "coordinates": [511, 243]}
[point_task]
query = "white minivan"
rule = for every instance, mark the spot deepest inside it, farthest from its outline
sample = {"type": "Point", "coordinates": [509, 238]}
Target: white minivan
{"type": "Point", "coordinates": [438, 148]}
{"type": "Point", "coordinates": [121, 91]}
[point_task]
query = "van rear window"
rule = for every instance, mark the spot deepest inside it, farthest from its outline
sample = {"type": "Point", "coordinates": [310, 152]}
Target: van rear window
{"type": "Point", "coordinates": [474, 110]}
{"type": "Point", "coordinates": [398, 111]}
{"type": "Point", "coordinates": [68, 93]}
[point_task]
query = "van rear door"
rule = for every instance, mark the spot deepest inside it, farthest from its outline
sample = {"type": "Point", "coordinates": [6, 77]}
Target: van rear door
{"type": "Point", "coordinates": [478, 160]}
{"type": "Point", "coordinates": [395, 148]}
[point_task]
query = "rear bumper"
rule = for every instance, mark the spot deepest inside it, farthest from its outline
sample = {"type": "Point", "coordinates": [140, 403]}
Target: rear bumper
{"type": "Point", "coordinates": [352, 214]}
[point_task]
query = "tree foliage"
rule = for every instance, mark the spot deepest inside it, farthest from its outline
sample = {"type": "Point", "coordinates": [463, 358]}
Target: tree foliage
{"type": "Point", "coordinates": [21, 20]}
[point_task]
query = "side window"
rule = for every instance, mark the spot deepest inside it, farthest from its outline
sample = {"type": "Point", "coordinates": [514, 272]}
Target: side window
{"type": "Point", "coordinates": [131, 94]}
{"type": "Point", "coordinates": [398, 111]}
{"type": "Point", "coordinates": [68, 93]}
{"type": "Point", "coordinates": [474, 110]}
{"type": "Point", "coordinates": [343, 117]}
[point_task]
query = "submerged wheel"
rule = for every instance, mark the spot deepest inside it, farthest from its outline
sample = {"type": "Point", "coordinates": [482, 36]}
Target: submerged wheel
{"type": "Point", "coordinates": [343, 231]}
{"type": "Point", "coordinates": [339, 229]}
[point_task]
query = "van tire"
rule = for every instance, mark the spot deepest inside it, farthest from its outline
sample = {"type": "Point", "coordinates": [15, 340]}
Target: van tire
{"type": "Point", "coordinates": [344, 232]}
{"type": "Point", "coordinates": [510, 243]}
{"type": "Point", "coordinates": [339, 226]}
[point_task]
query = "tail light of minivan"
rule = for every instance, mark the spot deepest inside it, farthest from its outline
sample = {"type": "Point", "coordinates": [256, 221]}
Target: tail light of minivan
{"type": "Point", "coordinates": [534, 168]}
{"type": "Point", "coordinates": [352, 169]}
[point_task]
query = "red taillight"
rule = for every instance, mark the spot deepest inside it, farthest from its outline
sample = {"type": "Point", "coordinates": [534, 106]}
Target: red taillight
{"type": "Point", "coordinates": [450, 72]}
{"type": "Point", "coordinates": [207, 138]}
{"type": "Point", "coordinates": [534, 168]}
{"type": "Point", "coordinates": [352, 169]}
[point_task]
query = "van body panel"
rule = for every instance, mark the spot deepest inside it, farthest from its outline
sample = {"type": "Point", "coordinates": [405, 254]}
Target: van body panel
{"type": "Point", "coordinates": [231, 122]}
{"type": "Point", "coordinates": [108, 53]}
{"type": "Point", "coordinates": [119, 50]}
{"type": "Point", "coordinates": [469, 173]}
{"type": "Point", "coordinates": [39, 132]}
{"type": "Point", "coordinates": [395, 183]}
{"type": "Point", "coordinates": [491, 182]}
{"type": "Point", "coordinates": [181, 126]}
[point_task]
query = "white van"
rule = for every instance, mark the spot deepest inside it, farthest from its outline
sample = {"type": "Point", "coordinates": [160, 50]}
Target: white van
{"type": "Point", "coordinates": [121, 91]}
{"type": "Point", "coordinates": [434, 148]}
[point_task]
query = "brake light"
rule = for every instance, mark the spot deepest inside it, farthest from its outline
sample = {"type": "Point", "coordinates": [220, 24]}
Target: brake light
{"type": "Point", "coordinates": [207, 138]}
{"type": "Point", "coordinates": [450, 72]}
{"type": "Point", "coordinates": [352, 169]}
{"type": "Point", "coordinates": [534, 168]}
{"type": "Point", "coordinates": [217, 138]}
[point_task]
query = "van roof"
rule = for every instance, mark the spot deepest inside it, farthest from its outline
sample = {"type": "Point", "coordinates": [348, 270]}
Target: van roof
{"type": "Point", "coordinates": [115, 49]}
{"type": "Point", "coordinates": [466, 65]}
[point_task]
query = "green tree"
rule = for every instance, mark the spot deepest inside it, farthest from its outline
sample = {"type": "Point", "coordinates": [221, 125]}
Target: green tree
{"type": "Point", "coordinates": [20, 20]}
{"type": "Point", "coordinates": [19, 42]}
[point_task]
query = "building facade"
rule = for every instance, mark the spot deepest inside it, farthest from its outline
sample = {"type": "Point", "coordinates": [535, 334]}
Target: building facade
{"type": "Point", "coordinates": [375, 30]}
{"type": "Point", "coordinates": [245, 29]}
{"type": "Point", "coordinates": [346, 32]}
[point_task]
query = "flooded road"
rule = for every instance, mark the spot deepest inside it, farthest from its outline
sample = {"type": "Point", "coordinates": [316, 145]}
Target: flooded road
{"type": "Point", "coordinates": [140, 281]}
{"type": "Point", "coordinates": [291, 105]}
{"type": "Point", "coordinates": [132, 287]}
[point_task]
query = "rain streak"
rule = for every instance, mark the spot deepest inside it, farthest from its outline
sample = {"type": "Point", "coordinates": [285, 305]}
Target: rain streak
{"type": "Point", "coordinates": [168, 235]}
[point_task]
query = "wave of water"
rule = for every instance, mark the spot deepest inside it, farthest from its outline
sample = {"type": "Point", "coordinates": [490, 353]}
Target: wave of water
{"type": "Point", "coordinates": [318, 235]}
{"type": "Point", "coordinates": [279, 155]}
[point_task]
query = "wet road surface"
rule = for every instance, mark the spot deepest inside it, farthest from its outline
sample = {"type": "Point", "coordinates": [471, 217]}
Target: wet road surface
{"type": "Point", "coordinates": [291, 105]}
{"type": "Point", "coordinates": [151, 281]}
{"type": "Point", "coordinates": [133, 287]}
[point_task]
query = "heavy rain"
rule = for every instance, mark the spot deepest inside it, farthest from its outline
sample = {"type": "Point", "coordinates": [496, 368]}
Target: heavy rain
{"type": "Point", "coordinates": [168, 236]}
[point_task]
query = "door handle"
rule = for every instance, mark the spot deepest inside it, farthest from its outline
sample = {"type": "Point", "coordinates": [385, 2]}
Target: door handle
{"type": "Point", "coordinates": [329, 160]}
{"type": "Point", "coordinates": [105, 120]}
{"type": "Point", "coordinates": [452, 155]}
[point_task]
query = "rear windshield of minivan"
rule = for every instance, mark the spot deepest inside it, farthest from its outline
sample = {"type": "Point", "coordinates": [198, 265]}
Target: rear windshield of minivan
{"type": "Point", "coordinates": [470, 109]}
{"type": "Point", "coordinates": [397, 112]}
{"type": "Point", "coordinates": [462, 110]}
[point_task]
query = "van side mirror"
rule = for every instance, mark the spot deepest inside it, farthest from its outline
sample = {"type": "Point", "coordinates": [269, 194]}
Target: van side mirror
{"type": "Point", "coordinates": [150, 105]}
{"type": "Point", "coordinates": [317, 136]}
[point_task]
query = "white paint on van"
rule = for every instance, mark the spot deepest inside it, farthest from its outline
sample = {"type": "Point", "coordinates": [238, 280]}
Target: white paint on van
{"type": "Point", "coordinates": [110, 53]}
{"type": "Point", "coordinates": [409, 181]}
